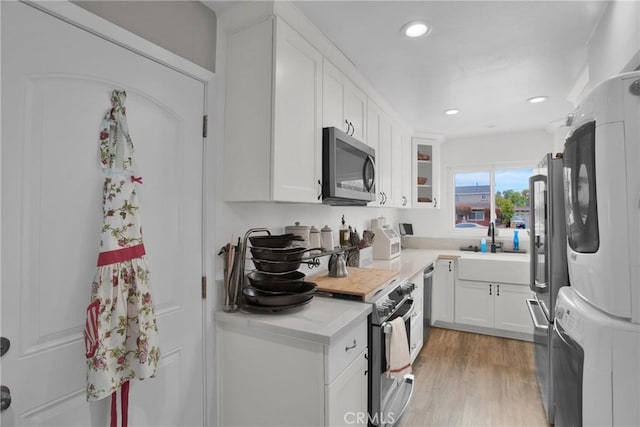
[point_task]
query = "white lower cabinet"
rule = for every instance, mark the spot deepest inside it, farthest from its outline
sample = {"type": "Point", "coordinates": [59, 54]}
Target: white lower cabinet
{"type": "Point", "coordinates": [510, 310]}
{"type": "Point", "coordinates": [268, 379]}
{"type": "Point", "coordinates": [493, 305]}
{"type": "Point", "coordinates": [346, 396]}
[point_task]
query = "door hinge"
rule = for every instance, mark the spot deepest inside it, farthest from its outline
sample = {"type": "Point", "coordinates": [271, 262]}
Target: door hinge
{"type": "Point", "coordinates": [205, 122]}
{"type": "Point", "coordinates": [204, 287]}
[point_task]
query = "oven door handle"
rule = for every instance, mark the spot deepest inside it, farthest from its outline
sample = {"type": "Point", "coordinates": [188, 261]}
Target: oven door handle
{"type": "Point", "coordinates": [386, 326]}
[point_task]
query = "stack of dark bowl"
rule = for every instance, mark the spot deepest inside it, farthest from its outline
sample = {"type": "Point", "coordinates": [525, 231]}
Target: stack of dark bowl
{"type": "Point", "coordinates": [276, 284]}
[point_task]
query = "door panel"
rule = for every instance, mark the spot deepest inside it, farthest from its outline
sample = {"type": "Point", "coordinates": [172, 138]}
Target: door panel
{"type": "Point", "coordinates": [55, 90]}
{"type": "Point", "coordinates": [474, 303]}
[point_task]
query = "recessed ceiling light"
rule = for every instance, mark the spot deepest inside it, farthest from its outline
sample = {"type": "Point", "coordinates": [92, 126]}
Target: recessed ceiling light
{"type": "Point", "coordinates": [537, 99]}
{"type": "Point", "coordinates": [451, 111]}
{"type": "Point", "coordinates": [416, 29]}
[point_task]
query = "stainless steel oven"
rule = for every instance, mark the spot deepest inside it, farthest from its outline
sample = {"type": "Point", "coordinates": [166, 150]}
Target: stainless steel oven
{"type": "Point", "coordinates": [388, 397]}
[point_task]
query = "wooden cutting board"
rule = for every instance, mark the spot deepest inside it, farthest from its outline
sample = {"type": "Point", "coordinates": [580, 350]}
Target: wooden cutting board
{"type": "Point", "coordinates": [361, 282]}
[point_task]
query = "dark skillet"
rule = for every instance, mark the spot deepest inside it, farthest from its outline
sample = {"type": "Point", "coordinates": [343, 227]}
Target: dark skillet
{"type": "Point", "coordinates": [277, 254]}
{"type": "Point", "coordinates": [276, 266]}
{"type": "Point", "coordinates": [272, 299]}
{"type": "Point", "coordinates": [275, 282]}
{"type": "Point", "coordinates": [279, 241]}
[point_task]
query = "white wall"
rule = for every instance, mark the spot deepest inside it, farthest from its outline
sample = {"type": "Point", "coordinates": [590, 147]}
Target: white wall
{"type": "Point", "coordinates": [523, 149]}
{"type": "Point", "coordinates": [615, 44]}
{"type": "Point", "coordinates": [186, 28]}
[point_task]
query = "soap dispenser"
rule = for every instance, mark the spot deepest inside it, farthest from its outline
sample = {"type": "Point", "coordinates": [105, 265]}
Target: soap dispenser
{"type": "Point", "coordinates": [483, 245]}
{"type": "Point", "coordinates": [516, 241]}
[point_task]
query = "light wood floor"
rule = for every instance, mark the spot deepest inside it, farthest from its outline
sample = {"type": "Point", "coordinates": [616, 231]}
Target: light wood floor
{"type": "Point", "coordinates": [466, 379]}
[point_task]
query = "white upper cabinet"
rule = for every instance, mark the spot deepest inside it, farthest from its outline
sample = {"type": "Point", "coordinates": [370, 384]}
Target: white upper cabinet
{"type": "Point", "coordinates": [273, 142]}
{"type": "Point", "coordinates": [426, 173]}
{"type": "Point", "coordinates": [380, 133]}
{"type": "Point", "coordinates": [344, 105]}
{"type": "Point", "coordinates": [406, 185]}
{"type": "Point", "coordinates": [395, 197]}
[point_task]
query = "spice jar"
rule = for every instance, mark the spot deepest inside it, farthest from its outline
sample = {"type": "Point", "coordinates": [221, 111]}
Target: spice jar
{"type": "Point", "coordinates": [326, 238]}
{"type": "Point", "coordinates": [314, 240]}
{"type": "Point", "coordinates": [299, 230]}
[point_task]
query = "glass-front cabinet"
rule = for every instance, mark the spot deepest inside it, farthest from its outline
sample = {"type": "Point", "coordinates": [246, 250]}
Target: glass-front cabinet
{"type": "Point", "coordinates": [426, 172]}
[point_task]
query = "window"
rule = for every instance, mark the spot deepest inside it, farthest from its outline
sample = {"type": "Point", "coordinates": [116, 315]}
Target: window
{"type": "Point", "coordinates": [498, 195]}
{"type": "Point", "coordinates": [476, 216]}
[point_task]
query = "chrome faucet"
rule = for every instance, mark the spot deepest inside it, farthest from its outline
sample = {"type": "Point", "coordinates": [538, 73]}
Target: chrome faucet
{"type": "Point", "coordinates": [492, 233]}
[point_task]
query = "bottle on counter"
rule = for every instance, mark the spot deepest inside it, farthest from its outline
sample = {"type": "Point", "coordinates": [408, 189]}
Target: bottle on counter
{"type": "Point", "coordinates": [344, 233]}
{"type": "Point", "coordinates": [516, 241]}
{"type": "Point", "coordinates": [483, 245]}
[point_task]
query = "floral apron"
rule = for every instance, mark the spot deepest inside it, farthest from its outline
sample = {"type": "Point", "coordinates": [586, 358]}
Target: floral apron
{"type": "Point", "coordinates": [121, 333]}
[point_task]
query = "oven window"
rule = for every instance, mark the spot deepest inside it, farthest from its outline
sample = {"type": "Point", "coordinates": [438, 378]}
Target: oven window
{"type": "Point", "coordinates": [580, 190]}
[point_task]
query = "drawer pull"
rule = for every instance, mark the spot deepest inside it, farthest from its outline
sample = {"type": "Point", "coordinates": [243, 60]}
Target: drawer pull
{"type": "Point", "coordinates": [352, 346]}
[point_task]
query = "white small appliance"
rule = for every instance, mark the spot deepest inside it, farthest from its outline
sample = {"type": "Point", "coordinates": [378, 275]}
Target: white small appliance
{"type": "Point", "coordinates": [386, 245]}
{"type": "Point", "coordinates": [602, 191]}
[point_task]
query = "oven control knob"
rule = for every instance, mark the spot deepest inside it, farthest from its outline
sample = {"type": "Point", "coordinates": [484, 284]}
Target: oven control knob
{"type": "Point", "coordinates": [382, 310]}
{"type": "Point", "coordinates": [406, 288]}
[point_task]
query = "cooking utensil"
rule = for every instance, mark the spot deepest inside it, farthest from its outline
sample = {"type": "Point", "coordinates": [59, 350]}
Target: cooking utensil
{"type": "Point", "coordinates": [275, 309]}
{"type": "Point", "coordinates": [276, 266]}
{"type": "Point", "coordinates": [267, 281]}
{"type": "Point", "coordinates": [258, 297]}
{"type": "Point", "coordinates": [354, 239]}
{"type": "Point", "coordinates": [277, 254]}
{"type": "Point", "coordinates": [292, 288]}
{"type": "Point", "coordinates": [368, 236]}
{"type": "Point", "coordinates": [278, 241]}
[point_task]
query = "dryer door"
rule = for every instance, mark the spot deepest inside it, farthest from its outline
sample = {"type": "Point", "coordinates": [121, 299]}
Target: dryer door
{"type": "Point", "coordinates": [580, 189]}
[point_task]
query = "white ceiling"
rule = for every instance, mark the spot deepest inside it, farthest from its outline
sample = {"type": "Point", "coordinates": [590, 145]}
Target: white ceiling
{"type": "Point", "coordinates": [484, 58]}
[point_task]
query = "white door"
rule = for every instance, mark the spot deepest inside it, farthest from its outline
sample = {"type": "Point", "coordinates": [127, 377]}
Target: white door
{"type": "Point", "coordinates": [56, 85]}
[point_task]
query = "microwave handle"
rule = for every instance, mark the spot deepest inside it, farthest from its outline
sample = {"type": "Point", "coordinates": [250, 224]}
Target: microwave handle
{"type": "Point", "coordinates": [369, 186]}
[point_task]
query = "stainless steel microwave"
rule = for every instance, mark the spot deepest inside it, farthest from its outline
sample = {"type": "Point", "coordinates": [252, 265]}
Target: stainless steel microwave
{"type": "Point", "coordinates": [348, 169]}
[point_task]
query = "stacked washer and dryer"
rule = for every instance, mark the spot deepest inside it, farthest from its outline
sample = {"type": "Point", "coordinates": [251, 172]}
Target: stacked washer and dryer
{"type": "Point", "coordinates": [596, 340]}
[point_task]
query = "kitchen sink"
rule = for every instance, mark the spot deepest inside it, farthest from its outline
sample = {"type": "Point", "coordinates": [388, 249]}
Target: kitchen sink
{"type": "Point", "coordinates": [498, 267]}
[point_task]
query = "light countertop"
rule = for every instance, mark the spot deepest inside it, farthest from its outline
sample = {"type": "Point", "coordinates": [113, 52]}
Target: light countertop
{"type": "Point", "coordinates": [324, 318]}
{"type": "Point", "coordinates": [319, 321]}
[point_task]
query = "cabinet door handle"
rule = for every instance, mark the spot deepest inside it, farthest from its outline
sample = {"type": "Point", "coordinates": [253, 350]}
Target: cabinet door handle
{"type": "Point", "coordinates": [353, 128]}
{"type": "Point", "coordinates": [490, 289]}
{"type": "Point", "coordinates": [497, 290]}
{"type": "Point", "coordinates": [352, 346]}
{"type": "Point", "coordinates": [435, 202]}
{"type": "Point", "coordinates": [449, 265]}
{"type": "Point", "coordinates": [348, 126]}
{"type": "Point", "coordinates": [320, 185]}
